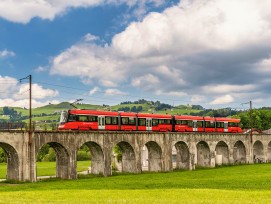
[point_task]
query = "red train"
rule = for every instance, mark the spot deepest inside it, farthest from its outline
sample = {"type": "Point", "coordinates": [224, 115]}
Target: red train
{"type": "Point", "coordinates": [107, 120]}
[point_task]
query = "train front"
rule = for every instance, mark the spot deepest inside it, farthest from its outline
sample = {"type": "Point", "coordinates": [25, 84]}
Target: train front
{"type": "Point", "coordinates": [63, 120]}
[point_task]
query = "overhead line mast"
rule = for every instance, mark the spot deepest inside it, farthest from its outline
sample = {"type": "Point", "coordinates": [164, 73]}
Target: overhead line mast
{"type": "Point", "coordinates": [30, 106]}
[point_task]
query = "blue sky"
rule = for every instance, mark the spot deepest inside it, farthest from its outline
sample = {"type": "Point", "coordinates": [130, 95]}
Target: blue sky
{"type": "Point", "coordinates": [213, 53]}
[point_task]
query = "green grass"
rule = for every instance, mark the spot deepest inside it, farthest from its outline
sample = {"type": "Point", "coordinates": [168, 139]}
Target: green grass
{"type": "Point", "coordinates": [233, 184]}
{"type": "Point", "coordinates": [46, 168]}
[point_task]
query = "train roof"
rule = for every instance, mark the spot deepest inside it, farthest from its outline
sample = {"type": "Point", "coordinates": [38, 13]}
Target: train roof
{"type": "Point", "coordinates": [154, 115]}
{"type": "Point", "coordinates": [230, 120]}
{"type": "Point", "coordinates": [129, 114]}
{"type": "Point", "coordinates": [93, 112]}
{"type": "Point", "coordinates": [188, 117]}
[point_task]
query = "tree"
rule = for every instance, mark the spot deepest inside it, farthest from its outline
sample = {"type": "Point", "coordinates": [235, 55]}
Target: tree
{"type": "Point", "coordinates": [3, 156]}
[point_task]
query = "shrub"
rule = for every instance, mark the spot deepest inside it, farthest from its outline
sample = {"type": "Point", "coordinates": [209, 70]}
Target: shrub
{"type": "Point", "coordinates": [83, 156]}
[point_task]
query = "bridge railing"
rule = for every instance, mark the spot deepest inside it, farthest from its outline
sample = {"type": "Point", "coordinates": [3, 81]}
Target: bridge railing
{"type": "Point", "coordinates": [12, 126]}
{"type": "Point", "coordinates": [25, 126]}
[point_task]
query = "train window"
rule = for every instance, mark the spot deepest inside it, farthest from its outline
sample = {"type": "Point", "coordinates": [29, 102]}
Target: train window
{"type": "Point", "coordinates": [190, 123]}
{"type": "Point", "coordinates": [219, 124]}
{"type": "Point", "coordinates": [114, 121]}
{"type": "Point", "coordinates": [108, 120]}
{"type": "Point", "coordinates": [155, 122]}
{"type": "Point", "coordinates": [131, 121]}
{"type": "Point", "coordinates": [209, 124]}
{"type": "Point", "coordinates": [233, 124]}
{"type": "Point", "coordinates": [83, 118]}
{"type": "Point", "coordinates": [124, 121]}
{"type": "Point", "coordinates": [178, 122]}
{"type": "Point", "coordinates": [92, 118]}
{"type": "Point", "coordinates": [199, 123]}
{"type": "Point", "coordinates": [167, 121]}
{"type": "Point", "coordinates": [142, 121]}
{"type": "Point", "coordinates": [72, 118]}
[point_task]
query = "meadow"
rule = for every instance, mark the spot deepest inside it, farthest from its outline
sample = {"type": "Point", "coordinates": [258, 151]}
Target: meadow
{"type": "Point", "coordinates": [231, 184]}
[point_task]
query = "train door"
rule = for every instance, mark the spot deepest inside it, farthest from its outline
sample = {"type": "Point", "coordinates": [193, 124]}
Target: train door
{"type": "Point", "coordinates": [148, 124]}
{"type": "Point", "coordinates": [226, 126]}
{"type": "Point", "coordinates": [101, 122]}
{"type": "Point", "coordinates": [195, 127]}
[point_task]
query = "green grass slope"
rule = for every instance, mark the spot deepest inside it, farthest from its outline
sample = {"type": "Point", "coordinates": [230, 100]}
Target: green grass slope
{"type": "Point", "coordinates": [235, 184]}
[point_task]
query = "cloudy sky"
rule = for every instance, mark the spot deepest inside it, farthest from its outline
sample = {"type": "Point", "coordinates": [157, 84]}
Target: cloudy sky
{"type": "Point", "coordinates": [215, 53]}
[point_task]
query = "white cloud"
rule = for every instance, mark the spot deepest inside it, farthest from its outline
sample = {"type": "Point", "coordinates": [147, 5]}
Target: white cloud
{"type": "Point", "coordinates": [201, 26]}
{"type": "Point", "coordinates": [12, 93]}
{"type": "Point", "coordinates": [89, 37]}
{"type": "Point", "coordinates": [195, 99]}
{"type": "Point", "coordinates": [8, 85]}
{"type": "Point", "coordinates": [227, 88]}
{"type": "Point", "coordinates": [264, 66]}
{"type": "Point", "coordinates": [41, 69]}
{"type": "Point", "coordinates": [94, 90]}
{"type": "Point", "coordinates": [171, 93]}
{"type": "Point", "coordinates": [38, 92]}
{"type": "Point", "coordinates": [223, 100]}
{"type": "Point", "coordinates": [147, 82]}
{"type": "Point", "coordinates": [6, 53]}
{"type": "Point", "coordinates": [24, 11]}
{"type": "Point", "coordinates": [91, 62]}
{"type": "Point", "coordinates": [196, 48]}
{"type": "Point", "coordinates": [24, 103]}
{"type": "Point", "coordinates": [113, 92]}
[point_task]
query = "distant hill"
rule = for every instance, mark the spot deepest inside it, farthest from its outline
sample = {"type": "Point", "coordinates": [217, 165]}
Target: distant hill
{"type": "Point", "coordinates": [51, 112]}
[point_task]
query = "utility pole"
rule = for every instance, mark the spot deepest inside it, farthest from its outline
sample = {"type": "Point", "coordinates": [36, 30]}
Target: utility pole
{"type": "Point", "coordinates": [30, 107]}
{"type": "Point", "coordinates": [250, 116]}
{"type": "Point", "coordinates": [29, 77]}
{"type": "Point", "coordinates": [250, 113]}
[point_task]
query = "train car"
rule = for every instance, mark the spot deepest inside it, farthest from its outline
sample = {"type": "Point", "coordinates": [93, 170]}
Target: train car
{"type": "Point", "coordinates": [187, 123]}
{"type": "Point", "coordinates": [154, 122]}
{"type": "Point", "coordinates": [128, 121]}
{"type": "Point", "coordinates": [209, 124]}
{"type": "Point", "coordinates": [228, 125]}
{"type": "Point", "coordinates": [88, 120]}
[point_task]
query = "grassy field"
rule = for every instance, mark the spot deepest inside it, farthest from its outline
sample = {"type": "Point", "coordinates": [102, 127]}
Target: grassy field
{"type": "Point", "coordinates": [46, 168]}
{"type": "Point", "coordinates": [234, 184]}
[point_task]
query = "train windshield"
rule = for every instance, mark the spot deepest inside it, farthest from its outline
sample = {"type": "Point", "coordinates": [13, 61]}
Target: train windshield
{"type": "Point", "coordinates": [63, 117]}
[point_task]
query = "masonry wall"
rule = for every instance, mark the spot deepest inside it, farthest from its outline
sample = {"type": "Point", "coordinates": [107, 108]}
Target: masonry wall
{"type": "Point", "coordinates": [191, 150]}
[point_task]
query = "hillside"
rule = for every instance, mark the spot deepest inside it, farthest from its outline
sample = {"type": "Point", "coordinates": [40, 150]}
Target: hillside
{"type": "Point", "coordinates": [51, 112]}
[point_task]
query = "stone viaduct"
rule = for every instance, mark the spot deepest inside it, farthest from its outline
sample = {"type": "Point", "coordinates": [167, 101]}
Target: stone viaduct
{"type": "Point", "coordinates": [192, 150]}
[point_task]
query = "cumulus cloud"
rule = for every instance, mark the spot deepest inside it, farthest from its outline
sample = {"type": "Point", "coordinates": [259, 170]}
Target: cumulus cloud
{"type": "Point", "coordinates": [24, 103]}
{"type": "Point", "coordinates": [227, 88]}
{"type": "Point", "coordinates": [7, 85]}
{"type": "Point", "coordinates": [94, 90]}
{"type": "Point", "coordinates": [24, 11]}
{"type": "Point", "coordinates": [89, 61]}
{"type": "Point", "coordinates": [15, 94]}
{"type": "Point", "coordinates": [6, 53]}
{"type": "Point", "coordinates": [89, 37]}
{"type": "Point", "coordinates": [113, 92]}
{"type": "Point", "coordinates": [38, 92]}
{"type": "Point", "coordinates": [223, 100]}
{"type": "Point", "coordinates": [194, 49]}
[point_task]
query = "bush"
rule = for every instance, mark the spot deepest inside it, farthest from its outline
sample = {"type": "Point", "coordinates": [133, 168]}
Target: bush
{"type": "Point", "coordinates": [51, 156]}
{"type": "Point", "coordinates": [3, 156]}
{"type": "Point", "coordinates": [83, 156]}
